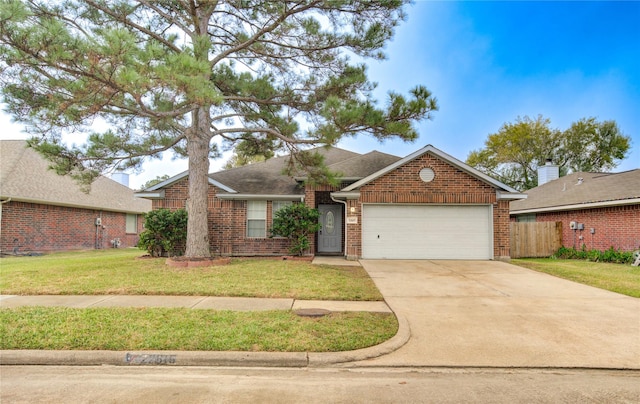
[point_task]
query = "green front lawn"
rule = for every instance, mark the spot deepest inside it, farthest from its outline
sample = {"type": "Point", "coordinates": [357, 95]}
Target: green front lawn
{"type": "Point", "coordinates": [618, 278]}
{"type": "Point", "coordinates": [121, 272]}
{"type": "Point", "coordinates": [120, 329]}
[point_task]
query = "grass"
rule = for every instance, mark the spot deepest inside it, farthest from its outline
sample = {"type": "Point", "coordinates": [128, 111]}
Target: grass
{"type": "Point", "coordinates": [618, 278]}
{"type": "Point", "coordinates": [62, 328]}
{"type": "Point", "coordinates": [117, 271]}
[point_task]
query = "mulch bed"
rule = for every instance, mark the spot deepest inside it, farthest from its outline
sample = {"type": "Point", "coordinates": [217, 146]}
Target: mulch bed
{"type": "Point", "coordinates": [184, 262]}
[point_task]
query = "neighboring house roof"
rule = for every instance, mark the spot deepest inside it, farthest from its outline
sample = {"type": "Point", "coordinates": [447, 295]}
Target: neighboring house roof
{"type": "Point", "coordinates": [569, 193]}
{"type": "Point", "coordinates": [25, 176]}
{"type": "Point", "coordinates": [504, 191]}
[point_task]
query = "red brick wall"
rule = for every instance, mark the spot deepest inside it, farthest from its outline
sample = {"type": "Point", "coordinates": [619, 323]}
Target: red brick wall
{"type": "Point", "coordinates": [450, 186]}
{"type": "Point", "coordinates": [353, 243]}
{"type": "Point", "coordinates": [617, 227]}
{"type": "Point", "coordinates": [227, 223]}
{"type": "Point", "coordinates": [39, 227]}
{"type": "Point", "coordinates": [227, 219]}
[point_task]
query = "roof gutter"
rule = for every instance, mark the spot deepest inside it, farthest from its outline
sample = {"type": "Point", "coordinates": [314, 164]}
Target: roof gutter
{"type": "Point", "coordinates": [150, 195]}
{"type": "Point", "coordinates": [260, 197]}
{"type": "Point", "coordinates": [345, 195]}
{"type": "Point", "coordinates": [593, 205]}
{"type": "Point", "coordinates": [341, 179]}
{"type": "Point", "coordinates": [510, 195]}
{"type": "Point", "coordinates": [79, 206]}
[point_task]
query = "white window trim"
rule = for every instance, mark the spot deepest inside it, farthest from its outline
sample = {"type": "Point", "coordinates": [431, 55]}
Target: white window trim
{"type": "Point", "coordinates": [135, 223]}
{"type": "Point", "coordinates": [252, 216]}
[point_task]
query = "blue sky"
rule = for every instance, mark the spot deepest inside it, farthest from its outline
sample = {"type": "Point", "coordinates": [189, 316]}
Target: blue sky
{"type": "Point", "coordinates": [489, 62]}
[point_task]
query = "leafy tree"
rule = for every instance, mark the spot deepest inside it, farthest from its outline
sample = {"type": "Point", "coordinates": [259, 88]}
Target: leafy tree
{"type": "Point", "coordinates": [187, 75]}
{"type": "Point", "coordinates": [165, 232]}
{"type": "Point", "coordinates": [157, 180]}
{"type": "Point", "coordinates": [296, 222]}
{"type": "Point", "coordinates": [593, 146]}
{"type": "Point", "coordinates": [514, 154]}
{"type": "Point", "coordinates": [251, 151]}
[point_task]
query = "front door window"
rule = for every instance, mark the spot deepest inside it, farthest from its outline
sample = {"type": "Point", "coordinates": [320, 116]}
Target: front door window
{"type": "Point", "coordinates": [330, 233]}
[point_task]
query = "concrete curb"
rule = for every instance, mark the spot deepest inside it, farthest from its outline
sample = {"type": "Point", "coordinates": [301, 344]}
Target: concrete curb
{"type": "Point", "coordinates": [201, 358]}
{"type": "Point", "coordinates": [319, 359]}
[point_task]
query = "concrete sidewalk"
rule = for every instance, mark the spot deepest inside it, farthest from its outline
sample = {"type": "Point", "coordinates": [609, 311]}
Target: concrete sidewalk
{"type": "Point", "coordinates": [192, 302]}
{"type": "Point", "coordinates": [201, 358]}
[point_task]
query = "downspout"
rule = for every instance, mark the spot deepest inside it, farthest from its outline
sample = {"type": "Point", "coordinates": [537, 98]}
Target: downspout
{"type": "Point", "coordinates": [99, 235]}
{"type": "Point", "coordinates": [2, 203]}
{"type": "Point", "coordinates": [344, 220]}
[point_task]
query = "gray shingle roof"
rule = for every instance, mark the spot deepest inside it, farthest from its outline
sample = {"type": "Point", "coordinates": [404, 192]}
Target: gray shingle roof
{"type": "Point", "coordinates": [363, 165]}
{"type": "Point", "coordinates": [595, 188]}
{"type": "Point", "coordinates": [266, 178]}
{"type": "Point", "coordinates": [24, 176]}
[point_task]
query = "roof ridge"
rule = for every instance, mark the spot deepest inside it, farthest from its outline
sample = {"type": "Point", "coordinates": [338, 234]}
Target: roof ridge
{"type": "Point", "coordinates": [23, 150]}
{"type": "Point", "coordinates": [274, 158]}
{"type": "Point", "coordinates": [349, 159]}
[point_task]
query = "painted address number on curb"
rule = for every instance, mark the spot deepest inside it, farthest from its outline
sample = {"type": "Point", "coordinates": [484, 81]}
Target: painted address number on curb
{"type": "Point", "coordinates": [150, 359]}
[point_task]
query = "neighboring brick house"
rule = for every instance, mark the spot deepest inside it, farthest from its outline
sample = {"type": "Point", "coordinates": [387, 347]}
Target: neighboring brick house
{"type": "Point", "coordinates": [42, 211]}
{"type": "Point", "coordinates": [427, 205]}
{"type": "Point", "coordinates": [597, 210]}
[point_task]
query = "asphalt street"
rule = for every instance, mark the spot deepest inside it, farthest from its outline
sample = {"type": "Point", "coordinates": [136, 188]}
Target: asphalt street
{"type": "Point", "coordinates": [117, 384]}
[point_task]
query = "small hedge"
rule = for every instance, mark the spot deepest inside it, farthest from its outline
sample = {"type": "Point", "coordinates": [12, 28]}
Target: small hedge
{"type": "Point", "coordinates": [165, 232]}
{"type": "Point", "coordinates": [296, 222]}
{"type": "Point", "coordinates": [611, 255]}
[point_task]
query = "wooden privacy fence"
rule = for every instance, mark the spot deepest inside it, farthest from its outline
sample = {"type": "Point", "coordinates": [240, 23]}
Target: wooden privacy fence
{"type": "Point", "coordinates": [535, 239]}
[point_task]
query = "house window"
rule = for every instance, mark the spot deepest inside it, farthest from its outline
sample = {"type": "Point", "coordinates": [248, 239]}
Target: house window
{"type": "Point", "coordinates": [277, 205]}
{"type": "Point", "coordinates": [529, 217]}
{"type": "Point", "coordinates": [132, 223]}
{"type": "Point", "coordinates": [256, 218]}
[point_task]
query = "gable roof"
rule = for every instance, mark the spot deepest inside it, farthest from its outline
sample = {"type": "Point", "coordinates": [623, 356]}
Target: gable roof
{"type": "Point", "coordinates": [361, 166]}
{"type": "Point", "coordinates": [25, 176]}
{"type": "Point", "coordinates": [505, 191]}
{"type": "Point", "coordinates": [180, 176]}
{"type": "Point", "coordinates": [569, 193]}
{"type": "Point", "coordinates": [266, 179]}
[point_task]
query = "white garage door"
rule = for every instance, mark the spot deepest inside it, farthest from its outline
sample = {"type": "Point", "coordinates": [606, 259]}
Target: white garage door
{"type": "Point", "coordinates": [427, 232]}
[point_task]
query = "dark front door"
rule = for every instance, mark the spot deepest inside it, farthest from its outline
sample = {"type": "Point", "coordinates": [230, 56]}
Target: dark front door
{"type": "Point", "coordinates": [330, 234]}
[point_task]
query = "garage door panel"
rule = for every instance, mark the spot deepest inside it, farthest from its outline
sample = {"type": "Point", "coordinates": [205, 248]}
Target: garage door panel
{"type": "Point", "coordinates": [427, 232]}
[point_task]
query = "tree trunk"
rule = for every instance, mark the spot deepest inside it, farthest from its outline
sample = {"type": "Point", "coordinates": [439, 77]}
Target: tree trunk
{"type": "Point", "coordinates": [197, 222]}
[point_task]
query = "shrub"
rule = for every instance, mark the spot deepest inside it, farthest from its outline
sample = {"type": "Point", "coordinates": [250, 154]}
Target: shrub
{"type": "Point", "coordinates": [610, 255]}
{"type": "Point", "coordinates": [165, 232]}
{"type": "Point", "coordinates": [296, 222]}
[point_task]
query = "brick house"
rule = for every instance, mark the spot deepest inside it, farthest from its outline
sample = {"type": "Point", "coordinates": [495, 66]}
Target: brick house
{"type": "Point", "coordinates": [42, 211]}
{"type": "Point", "coordinates": [427, 205]}
{"type": "Point", "coordinates": [597, 210]}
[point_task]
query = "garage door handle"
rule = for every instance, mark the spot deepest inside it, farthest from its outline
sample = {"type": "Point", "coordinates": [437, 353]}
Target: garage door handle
{"type": "Point", "coordinates": [378, 236]}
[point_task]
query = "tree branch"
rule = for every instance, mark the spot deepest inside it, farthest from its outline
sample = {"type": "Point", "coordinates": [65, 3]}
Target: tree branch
{"type": "Point", "coordinates": [131, 24]}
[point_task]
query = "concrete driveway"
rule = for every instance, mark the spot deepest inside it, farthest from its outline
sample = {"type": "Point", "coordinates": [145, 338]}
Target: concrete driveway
{"type": "Point", "coordinates": [487, 313]}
